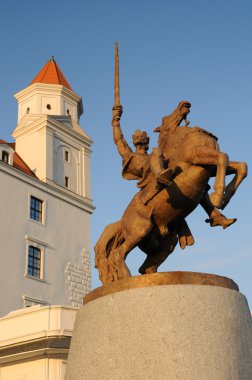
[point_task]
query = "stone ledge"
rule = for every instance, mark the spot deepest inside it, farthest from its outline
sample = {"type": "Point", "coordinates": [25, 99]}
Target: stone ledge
{"type": "Point", "coordinates": [162, 278]}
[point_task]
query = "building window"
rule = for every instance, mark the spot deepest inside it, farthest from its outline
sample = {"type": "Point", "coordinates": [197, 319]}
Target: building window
{"type": "Point", "coordinates": [34, 262]}
{"type": "Point", "coordinates": [66, 156]}
{"type": "Point", "coordinates": [67, 182]}
{"type": "Point", "coordinates": [36, 209]}
{"type": "Point", "coordinates": [48, 106]}
{"type": "Point", "coordinates": [30, 301]}
{"type": "Point", "coordinates": [35, 254]}
{"type": "Point", "coordinates": [5, 157]}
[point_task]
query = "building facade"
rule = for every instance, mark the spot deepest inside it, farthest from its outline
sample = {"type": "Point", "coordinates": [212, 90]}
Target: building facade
{"type": "Point", "coordinates": [45, 198]}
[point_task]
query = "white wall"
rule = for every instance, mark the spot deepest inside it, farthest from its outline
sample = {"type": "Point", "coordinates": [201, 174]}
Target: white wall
{"type": "Point", "coordinates": [64, 236]}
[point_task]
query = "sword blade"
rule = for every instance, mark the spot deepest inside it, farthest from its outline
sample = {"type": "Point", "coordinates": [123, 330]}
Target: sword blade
{"type": "Point", "coordinates": [116, 83]}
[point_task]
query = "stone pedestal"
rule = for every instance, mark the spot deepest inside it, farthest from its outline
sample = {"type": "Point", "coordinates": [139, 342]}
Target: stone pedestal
{"type": "Point", "coordinates": [195, 326]}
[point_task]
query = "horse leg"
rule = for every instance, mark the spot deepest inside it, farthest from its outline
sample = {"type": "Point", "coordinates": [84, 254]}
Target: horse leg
{"type": "Point", "coordinates": [240, 170]}
{"type": "Point", "coordinates": [184, 235]}
{"type": "Point", "coordinates": [203, 155]}
{"type": "Point", "coordinates": [133, 237]}
{"type": "Point", "coordinates": [156, 256]}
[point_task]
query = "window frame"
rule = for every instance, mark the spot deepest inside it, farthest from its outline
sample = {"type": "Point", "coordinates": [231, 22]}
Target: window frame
{"type": "Point", "coordinates": [44, 208]}
{"type": "Point", "coordinates": [7, 154]}
{"type": "Point", "coordinates": [4, 148]}
{"type": "Point", "coordinates": [67, 150]}
{"type": "Point", "coordinates": [66, 155]}
{"type": "Point", "coordinates": [34, 262]}
{"type": "Point", "coordinates": [31, 242]}
{"type": "Point", "coordinates": [30, 301]}
{"type": "Point", "coordinates": [67, 182]}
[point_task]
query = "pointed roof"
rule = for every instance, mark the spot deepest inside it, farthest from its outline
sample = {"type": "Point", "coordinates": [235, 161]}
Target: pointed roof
{"type": "Point", "coordinates": [51, 74]}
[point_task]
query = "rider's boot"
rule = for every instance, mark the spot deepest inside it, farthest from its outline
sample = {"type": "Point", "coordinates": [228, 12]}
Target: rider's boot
{"type": "Point", "coordinates": [218, 219]}
{"type": "Point", "coordinates": [158, 167]}
{"type": "Point", "coordinates": [165, 177]}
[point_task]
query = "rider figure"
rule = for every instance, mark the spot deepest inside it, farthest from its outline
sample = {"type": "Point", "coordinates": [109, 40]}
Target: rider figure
{"type": "Point", "coordinates": [134, 162]}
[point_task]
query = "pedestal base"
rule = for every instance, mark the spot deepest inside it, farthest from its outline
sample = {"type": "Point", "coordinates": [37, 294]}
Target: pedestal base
{"type": "Point", "coordinates": [183, 332]}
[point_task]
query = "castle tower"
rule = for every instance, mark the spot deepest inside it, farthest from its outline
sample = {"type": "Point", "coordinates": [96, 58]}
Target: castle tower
{"type": "Point", "coordinates": [48, 136]}
{"type": "Point", "coordinates": [45, 198]}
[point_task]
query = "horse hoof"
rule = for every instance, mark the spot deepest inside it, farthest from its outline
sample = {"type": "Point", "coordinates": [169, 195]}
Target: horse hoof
{"type": "Point", "coordinates": [216, 200]}
{"type": "Point", "coordinates": [149, 270]}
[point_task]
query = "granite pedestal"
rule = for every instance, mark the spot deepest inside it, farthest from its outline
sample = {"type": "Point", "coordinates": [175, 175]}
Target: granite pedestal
{"type": "Point", "coordinates": [163, 329]}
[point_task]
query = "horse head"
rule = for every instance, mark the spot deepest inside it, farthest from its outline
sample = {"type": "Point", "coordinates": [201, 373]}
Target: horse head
{"type": "Point", "coordinates": [175, 118]}
{"type": "Point", "coordinates": [170, 123]}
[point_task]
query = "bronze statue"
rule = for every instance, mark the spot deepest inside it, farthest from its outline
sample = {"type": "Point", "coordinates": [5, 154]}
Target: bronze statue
{"type": "Point", "coordinates": [172, 180]}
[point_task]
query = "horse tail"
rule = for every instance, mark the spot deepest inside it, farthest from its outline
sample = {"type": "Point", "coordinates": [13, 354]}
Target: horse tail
{"type": "Point", "coordinates": [110, 239]}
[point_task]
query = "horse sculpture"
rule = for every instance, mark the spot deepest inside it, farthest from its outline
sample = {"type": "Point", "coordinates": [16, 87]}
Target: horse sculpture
{"type": "Point", "coordinates": [194, 156]}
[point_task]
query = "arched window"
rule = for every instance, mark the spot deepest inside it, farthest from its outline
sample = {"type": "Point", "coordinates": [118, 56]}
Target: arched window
{"type": "Point", "coordinates": [34, 262]}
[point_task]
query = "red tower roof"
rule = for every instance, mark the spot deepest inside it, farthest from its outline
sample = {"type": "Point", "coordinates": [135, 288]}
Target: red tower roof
{"type": "Point", "coordinates": [51, 74]}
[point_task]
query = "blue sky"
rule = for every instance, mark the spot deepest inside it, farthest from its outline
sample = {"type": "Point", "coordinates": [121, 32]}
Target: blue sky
{"type": "Point", "coordinates": [169, 51]}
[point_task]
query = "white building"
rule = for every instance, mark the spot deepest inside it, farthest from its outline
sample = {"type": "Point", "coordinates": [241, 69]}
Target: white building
{"type": "Point", "coordinates": [45, 198]}
{"type": "Point", "coordinates": [35, 342]}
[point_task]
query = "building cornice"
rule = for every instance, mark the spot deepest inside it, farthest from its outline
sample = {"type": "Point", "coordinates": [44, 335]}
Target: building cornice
{"type": "Point", "coordinates": [28, 353]}
{"type": "Point", "coordinates": [51, 122]}
{"type": "Point", "coordinates": [66, 195]}
{"type": "Point", "coordinates": [42, 339]}
{"type": "Point", "coordinates": [47, 88]}
{"type": "Point", "coordinates": [35, 310]}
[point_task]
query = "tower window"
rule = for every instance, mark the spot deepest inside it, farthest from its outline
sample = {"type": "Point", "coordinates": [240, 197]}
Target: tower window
{"type": "Point", "coordinates": [27, 110]}
{"type": "Point", "coordinates": [66, 156]}
{"type": "Point", "coordinates": [67, 182]}
{"type": "Point", "coordinates": [34, 262]}
{"type": "Point", "coordinates": [48, 106]}
{"type": "Point", "coordinates": [36, 209]}
{"type": "Point", "coordinates": [68, 112]}
{"type": "Point", "coordinates": [5, 157]}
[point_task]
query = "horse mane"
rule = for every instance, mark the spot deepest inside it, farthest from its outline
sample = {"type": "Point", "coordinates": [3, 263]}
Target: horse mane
{"type": "Point", "coordinates": [169, 125]}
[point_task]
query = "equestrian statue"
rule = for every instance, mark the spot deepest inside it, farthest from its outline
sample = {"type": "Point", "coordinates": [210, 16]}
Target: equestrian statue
{"type": "Point", "coordinates": [172, 182]}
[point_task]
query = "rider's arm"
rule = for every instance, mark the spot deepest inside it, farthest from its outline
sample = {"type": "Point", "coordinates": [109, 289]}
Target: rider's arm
{"type": "Point", "coordinates": [122, 145]}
